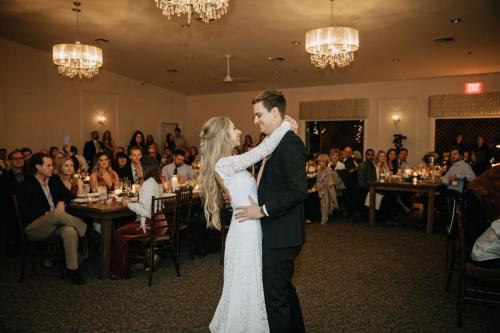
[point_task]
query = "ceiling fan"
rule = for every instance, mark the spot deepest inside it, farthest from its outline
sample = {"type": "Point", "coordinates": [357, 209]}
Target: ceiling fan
{"type": "Point", "coordinates": [228, 79]}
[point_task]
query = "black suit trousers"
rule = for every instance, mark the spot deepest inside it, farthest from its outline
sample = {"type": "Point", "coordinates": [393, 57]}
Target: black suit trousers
{"type": "Point", "coordinates": [282, 304]}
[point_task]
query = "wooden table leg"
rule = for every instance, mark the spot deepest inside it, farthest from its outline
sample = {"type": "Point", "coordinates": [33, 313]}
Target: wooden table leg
{"type": "Point", "coordinates": [372, 205]}
{"type": "Point", "coordinates": [430, 212]}
{"type": "Point", "coordinates": [106, 233]}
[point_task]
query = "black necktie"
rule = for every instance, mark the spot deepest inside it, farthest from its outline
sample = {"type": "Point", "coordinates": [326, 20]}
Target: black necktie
{"type": "Point", "coordinates": [175, 170]}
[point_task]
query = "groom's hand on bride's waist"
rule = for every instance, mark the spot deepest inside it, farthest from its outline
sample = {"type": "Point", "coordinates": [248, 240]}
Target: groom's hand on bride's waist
{"type": "Point", "coordinates": [252, 212]}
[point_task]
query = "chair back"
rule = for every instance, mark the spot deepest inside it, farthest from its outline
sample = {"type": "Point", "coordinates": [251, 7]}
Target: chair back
{"type": "Point", "coordinates": [160, 211]}
{"type": "Point", "coordinates": [18, 217]}
{"type": "Point", "coordinates": [184, 200]}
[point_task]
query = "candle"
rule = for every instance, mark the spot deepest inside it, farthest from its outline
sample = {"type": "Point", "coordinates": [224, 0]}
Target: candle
{"type": "Point", "coordinates": [175, 183]}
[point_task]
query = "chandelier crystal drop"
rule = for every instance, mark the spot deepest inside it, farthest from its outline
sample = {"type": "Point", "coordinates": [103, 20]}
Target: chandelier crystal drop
{"type": "Point", "coordinates": [77, 59]}
{"type": "Point", "coordinates": [332, 46]}
{"type": "Point", "coordinates": [208, 10]}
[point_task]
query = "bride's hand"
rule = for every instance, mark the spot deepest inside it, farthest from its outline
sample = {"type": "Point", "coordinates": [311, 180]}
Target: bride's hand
{"type": "Point", "coordinates": [293, 123]}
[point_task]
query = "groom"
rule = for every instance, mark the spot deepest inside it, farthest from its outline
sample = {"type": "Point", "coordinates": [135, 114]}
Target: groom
{"type": "Point", "coordinates": [282, 190]}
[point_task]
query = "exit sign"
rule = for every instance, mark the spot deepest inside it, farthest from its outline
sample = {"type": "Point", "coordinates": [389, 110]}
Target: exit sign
{"type": "Point", "coordinates": [473, 87]}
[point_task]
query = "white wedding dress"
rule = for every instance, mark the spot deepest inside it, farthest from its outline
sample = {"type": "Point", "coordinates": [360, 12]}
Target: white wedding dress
{"type": "Point", "coordinates": [242, 307]}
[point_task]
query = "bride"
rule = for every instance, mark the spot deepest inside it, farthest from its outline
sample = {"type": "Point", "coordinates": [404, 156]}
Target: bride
{"type": "Point", "coordinates": [241, 307]}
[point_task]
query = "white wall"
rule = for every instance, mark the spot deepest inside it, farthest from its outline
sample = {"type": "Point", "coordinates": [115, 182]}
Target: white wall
{"type": "Point", "coordinates": [407, 98]}
{"type": "Point", "coordinates": [38, 107]}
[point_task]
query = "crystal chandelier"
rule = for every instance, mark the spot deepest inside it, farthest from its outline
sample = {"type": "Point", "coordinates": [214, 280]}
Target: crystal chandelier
{"type": "Point", "coordinates": [334, 46]}
{"type": "Point", "coordinates": [207, 9]}
{"type": "Point", "coordinates": [77, 59]}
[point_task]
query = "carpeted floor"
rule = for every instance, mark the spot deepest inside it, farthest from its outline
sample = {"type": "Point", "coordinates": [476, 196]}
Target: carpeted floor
{"type": "Point", "coordinates": [350, 278]}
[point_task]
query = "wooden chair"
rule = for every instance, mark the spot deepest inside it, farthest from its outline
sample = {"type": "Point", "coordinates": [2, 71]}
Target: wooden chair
{"type": "Point", "coordinates": [37, 246]}
{"type": "Point", "coordinates": [184, 198]}
{"type": "Point", "coordinates": [159, 239]}
{"type": "Point", "coordinates": [476, 284]}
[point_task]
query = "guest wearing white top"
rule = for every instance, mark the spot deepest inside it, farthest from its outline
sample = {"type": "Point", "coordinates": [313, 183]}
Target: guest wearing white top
{"type": "Point", "coordinates": [150, 188]}
{"type": "Point", "coordinates": [486, 250]}
{"type": "Point", "coordinates": [178, 168]}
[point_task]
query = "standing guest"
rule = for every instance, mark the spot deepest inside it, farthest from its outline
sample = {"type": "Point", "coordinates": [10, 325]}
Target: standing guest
{"type": "Point", "coordinates": [488, 184]}
{"type": "Point", "coordinates": [348, 176]}
{"type": "Point", "coordinates": [26, 154]}
{"type": "Point", "coordinates": [91, 148]}
{"type": "Point", "coordinates": [72, 184]}
{"type": "Point", "coordinates": [392, 163]}
{"type": "Point", "coordinates": [262, 137]}
{"type": "Point", "coordinates": [103, 174]}
{"type": "Point", "coordinates": [121, 166]}
{"type": "Point", "coordinates": [120, 149]}
{"type": "Point", "coordinates": [45, 215]}
{"type": "Point", "coordinates": [334, 162]}
{"type": "Point", "coordinates": [149, 189]}
{"type": "Point", "coordinates": [367, 172]}
{"type": "Point", "coordinates": [109, 146]}
{"type": "Point", "coordinates": [236, 151]}
{"type": "Point", "coordinates": [401, 161]}
{"type": "Point", "coordinates": [483, 155]}
{"type": "Point", "coordinates": [459, 142]}
{"type": "Point", "coordinates": [169, 142]}
{"type": "Point", "coordinates": [137, 140]}
{"type": "Point", "coordinates": [150, 140]}
{"type": "Point", "coordinates": [247, 142]}
{"type": "Point", "coordinates": [325, 186]}
{"type": "Point", "coordinates": [167, 157]}
{"type": "Point", "coordinates": [178, 168]}
{"type": "Point", "coordinates": [11, 182]}
{"type": "Point", "coordinates": [458, 172]}
{"type": "Point", "coordinates": [180, 142]}
{"type": "Point", "coordinates": [194, 154]}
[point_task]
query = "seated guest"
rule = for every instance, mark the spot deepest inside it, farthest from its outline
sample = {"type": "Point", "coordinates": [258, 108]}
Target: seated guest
{"type": "Point", "coordinates": [11, 182]}
{"type": "Point", "coordinates": [486, 250]}
{"type": "Point", "coordinates": [44, 214]}
{"type": "Point", "coordinates": [167, 157]}
{"type": "Point", "coordinates": [26, 154]}
{"type": "Point", "coordinates": [358, 158]}
{"type": "Point", "coordinates": [401, 161]}
{"type": "Point", "coordinates": [57, 161]}
{"type": "Point", "coordinates": [52, 152]}
{"type": "Point", "coordinates": [149, 189]}
{"type": "Point", "coordinates": [72, 184]}
{"type": "Point", "coordinates": [103, 174]}
{"type": "Point", "coordinates": [236, 151]}
{"type": "Point", "coordinates": [188, 158]}
{"type": "Point", "coordinates": [153, 151]}
{"type": "Point", "coordinates": [133, 169]}
{"type": "Point", "coordinates": [454, 177]}
{"type": "Point", "coordinates": [194, 154]}
{"type": "Point", "coordinates": [367, 172]}
{"type": "Point", "coordinates": [348, 176]}
{"type": "Point", "coordinates": [325, 186]}
{"type": "Point", "coordinates": [380, 163]}
{"type": "Point", "coordinates": [121, 166]}
{"type": "Point", "coordinates": [488, 184]}
{"type": "Point", "coordinates": [392, 161]}
{"type": "Point", "coordinates": [178, 168]}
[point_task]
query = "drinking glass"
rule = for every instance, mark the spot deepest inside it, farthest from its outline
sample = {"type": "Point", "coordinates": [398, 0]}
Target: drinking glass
{"type": "Point", "coordinates": [119, 185]}
{"type": "Point", "coordinates": [126, 184]}
{"type": "Point", "coordinates": [86, 188]}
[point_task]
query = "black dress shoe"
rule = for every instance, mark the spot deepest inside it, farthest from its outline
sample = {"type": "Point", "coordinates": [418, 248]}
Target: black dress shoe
{"type": "Point", "coordinates": [75, 276]}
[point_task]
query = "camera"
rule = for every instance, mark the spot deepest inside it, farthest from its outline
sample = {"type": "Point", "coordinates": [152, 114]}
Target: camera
{"type": "Point", "coordinates": [398, 141]}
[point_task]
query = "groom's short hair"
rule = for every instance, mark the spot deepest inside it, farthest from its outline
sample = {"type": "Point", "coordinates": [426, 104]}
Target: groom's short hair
{"type": "Point", "coordinates": [270, 99]}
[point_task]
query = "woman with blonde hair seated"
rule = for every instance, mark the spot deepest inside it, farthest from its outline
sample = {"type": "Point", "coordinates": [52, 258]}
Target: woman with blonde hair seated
{"type": "Point", "coordinates": [325, 186]}
{"type": "Point", "coordinates": [67, 175]}
{"type": "Point", "coordinates": [103, 174]}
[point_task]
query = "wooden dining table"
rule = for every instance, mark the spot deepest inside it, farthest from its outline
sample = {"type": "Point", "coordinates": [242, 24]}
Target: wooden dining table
{"type": "Point", "coordinates": [422, 186]}
{"type": "Point", "coordinates": [106, 214]}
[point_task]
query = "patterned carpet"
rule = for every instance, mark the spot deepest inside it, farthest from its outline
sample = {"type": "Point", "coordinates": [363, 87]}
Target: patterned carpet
{"type": "Point", "coordinates": [350, 278]}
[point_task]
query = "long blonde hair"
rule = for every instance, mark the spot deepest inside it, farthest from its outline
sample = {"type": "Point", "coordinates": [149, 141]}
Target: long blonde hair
{"type": "Point", "coordinates": [215, 143]}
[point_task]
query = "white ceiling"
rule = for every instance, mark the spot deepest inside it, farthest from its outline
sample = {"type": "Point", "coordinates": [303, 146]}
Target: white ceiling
{"type": "Point", "coordinates": [144, 43]}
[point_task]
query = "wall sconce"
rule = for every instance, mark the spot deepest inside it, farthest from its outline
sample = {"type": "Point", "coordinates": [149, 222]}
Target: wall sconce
{"type": "Point", "coordinates": [100, 119]}
{"type": "Point", "coordinates": [396, 119]}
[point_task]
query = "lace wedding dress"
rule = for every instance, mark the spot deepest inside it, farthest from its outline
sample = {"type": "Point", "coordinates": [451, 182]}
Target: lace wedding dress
{"type": "Point", "coordinates": [241, 307]}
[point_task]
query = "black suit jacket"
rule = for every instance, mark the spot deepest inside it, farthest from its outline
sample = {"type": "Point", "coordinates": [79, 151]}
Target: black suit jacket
{"type": "Point", "coordinates": [126, 171]}
{"type": "Point", "coordinates": [8, 187]}
{"type": "Point", "coordinates": [283, 188]}
{"type": "Point", "coordinates": [89, 152]}
{"type": "Point", "coordinates": [34, 203]}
